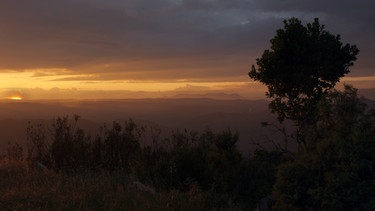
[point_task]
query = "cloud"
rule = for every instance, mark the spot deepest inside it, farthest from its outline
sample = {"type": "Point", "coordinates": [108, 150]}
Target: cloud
{"type": "Point", "coordinates": [168, 40]}
{"type": "Point", "coordinates": [350, 10]}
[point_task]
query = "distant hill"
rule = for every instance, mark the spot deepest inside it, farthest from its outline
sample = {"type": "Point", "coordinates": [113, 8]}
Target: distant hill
{"type": "Point", "coordinates": [216, 96]}
{"type": "Point", "coordinates": [243, 116]}
{"type": "Point", "coordinates": [238, 115]}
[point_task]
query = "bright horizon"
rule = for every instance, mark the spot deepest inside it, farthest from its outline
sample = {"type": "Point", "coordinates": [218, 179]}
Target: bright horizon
{"type": "Point", "coordinates": [128, 89]}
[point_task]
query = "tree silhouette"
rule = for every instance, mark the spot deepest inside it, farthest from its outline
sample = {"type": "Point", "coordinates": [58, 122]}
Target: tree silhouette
{"type": "Point", "coordinates": [303, 63]}
{"type": "Point", "coordinates": [338, 173]}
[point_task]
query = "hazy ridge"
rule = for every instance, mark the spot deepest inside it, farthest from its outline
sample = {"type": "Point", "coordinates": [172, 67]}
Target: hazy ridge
{"type": "Point", "coordinates": [239, 115]}
{"type": "Point", "coordinates": [243, 116]}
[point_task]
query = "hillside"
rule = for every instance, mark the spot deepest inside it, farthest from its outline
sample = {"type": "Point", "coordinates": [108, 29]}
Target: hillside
{"type": "Point", "coordinates": [242, 116]}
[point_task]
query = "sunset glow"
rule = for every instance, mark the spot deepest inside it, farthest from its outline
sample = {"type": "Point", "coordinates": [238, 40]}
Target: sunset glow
{"type": "Point", "coordinates": [48, 86]}
{"type": "Point", "coordinates": [17, 98]}
{"type": "Point", "coordinates": [113, 50]}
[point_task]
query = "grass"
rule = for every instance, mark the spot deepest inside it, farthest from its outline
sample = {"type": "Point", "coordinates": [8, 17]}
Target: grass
{"type": "Point", "coordinates": [26, 188]}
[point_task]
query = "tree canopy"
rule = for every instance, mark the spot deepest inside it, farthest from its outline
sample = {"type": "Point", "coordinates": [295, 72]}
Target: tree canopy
{"type": "Point", "coordinates": [338, 172]}
{"type": "Point", "coordinates": [303, 63]}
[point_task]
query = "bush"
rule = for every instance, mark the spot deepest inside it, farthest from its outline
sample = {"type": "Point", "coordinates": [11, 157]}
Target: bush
{"type": "Point", "coordinates": [338, 170]}
{"type": "Point", "coordinates": [207, 163]}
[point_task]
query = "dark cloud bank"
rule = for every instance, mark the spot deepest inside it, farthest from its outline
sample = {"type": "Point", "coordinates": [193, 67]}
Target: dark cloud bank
{"type": "Point", "coordinates": [166, 39]}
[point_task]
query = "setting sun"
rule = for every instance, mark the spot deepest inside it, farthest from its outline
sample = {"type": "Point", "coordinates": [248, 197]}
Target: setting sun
{"type": "Point", "coordinates": [14, 98]}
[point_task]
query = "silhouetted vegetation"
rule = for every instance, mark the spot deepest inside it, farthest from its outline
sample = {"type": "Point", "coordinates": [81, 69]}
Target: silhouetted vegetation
{"type": "Point", "coordinates": [337, 171]}
{"type": "Point", "coordinates": [194, 171]}
{"type": "Point", "coordinates": [303, 64]}
{"type": "Point", "coordinates": [204, 168]}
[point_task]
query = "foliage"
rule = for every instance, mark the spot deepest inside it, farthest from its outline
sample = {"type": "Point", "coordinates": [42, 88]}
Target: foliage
{"type": "Point", "coordinates": [65, 146]}
{"type": "Point", "coordinates": [39, 145]}
{"type": "Point", "coordinates": [303, 63]}
{"type": "Point", "coordinates": [204, 170]}
{"type": "Point", "coordinates": [208, 159]}
{"type": "Point", "coordinates": [69, 145]}
{"type": "Point", "coordinates": [256, 176]}
{"type": "Point", "coordinates": [337, 172]}
{"type": "Point", "coordinates": [120, 145]}
{"type": "Point", "coordinates": [23, 188]}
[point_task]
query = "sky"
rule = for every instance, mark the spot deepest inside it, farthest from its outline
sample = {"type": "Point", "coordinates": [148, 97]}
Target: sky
{"type": "Point", "coordinates": [151, 48]}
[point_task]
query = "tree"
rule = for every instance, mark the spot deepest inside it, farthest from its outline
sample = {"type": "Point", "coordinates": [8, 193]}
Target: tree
{"type": "Point", "coordinates": [338, 171]}
{"type": "Point", "coordinates": [303, 63]}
